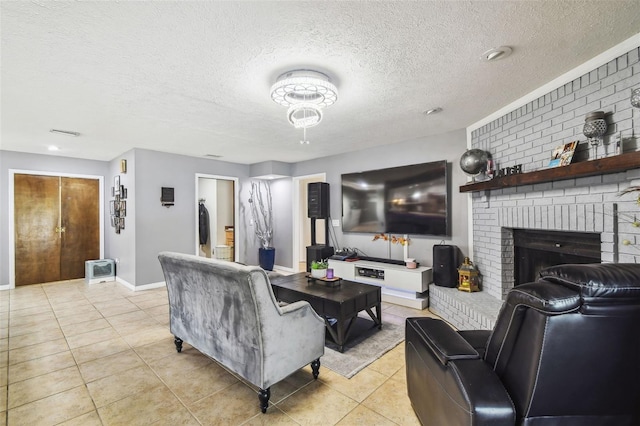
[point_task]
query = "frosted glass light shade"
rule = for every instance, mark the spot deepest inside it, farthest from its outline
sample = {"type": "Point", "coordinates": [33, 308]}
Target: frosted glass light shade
{"type": "Point", "coordinates": [304, 86]}
{"type": "Point", "coordinates": [304, 115]}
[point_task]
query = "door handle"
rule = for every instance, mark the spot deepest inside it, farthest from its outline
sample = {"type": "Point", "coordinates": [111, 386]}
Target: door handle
{"type": "Point", "coordinates": [60, 229]}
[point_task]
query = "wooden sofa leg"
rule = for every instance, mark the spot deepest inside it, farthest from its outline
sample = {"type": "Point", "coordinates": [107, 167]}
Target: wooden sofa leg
{"type": "Point", "coordinates": [178, 342]}
{"type": "Point", "coordinates": [264, 396]}
{"type": "Point", "coordinates": [315, 368]}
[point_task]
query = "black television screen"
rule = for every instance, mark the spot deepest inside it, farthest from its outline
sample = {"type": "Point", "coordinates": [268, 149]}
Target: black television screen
{"type": "Point", "coordinates": [403, 200]}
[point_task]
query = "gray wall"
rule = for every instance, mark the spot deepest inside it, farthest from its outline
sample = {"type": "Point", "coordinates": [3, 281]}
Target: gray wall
{"type": "Point", "coordinates": [122, 247]}
{"type": "Point", "coordinates": [448, 146]}
{"type": "Point", "coordinates": [282, 192]}
{"type": "Point", "coordinates": [151, 228]}
{"type": "Point", "coordinates": [40, 163]}
{"type": "Point", "coordinates": [159, 228]}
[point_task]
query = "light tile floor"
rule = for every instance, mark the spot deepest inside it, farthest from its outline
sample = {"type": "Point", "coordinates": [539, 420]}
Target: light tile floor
{"type": "Point", "coordinates": [77, 354]}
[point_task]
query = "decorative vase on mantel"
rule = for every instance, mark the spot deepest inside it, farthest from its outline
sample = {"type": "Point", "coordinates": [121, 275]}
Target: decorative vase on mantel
{"type": "Point", "coordinates": [595, 127]}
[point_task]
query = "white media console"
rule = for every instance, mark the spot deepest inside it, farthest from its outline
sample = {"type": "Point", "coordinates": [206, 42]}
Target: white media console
{"type": "Point", "coordinates": [400, 285]}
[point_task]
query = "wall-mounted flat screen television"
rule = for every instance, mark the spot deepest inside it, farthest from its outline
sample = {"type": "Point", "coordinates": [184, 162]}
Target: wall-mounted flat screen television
{"type": "Point", "coordinates": [403, 200]}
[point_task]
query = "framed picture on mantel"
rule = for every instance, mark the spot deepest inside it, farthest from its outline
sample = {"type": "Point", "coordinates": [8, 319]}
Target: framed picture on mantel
{"type": "Point", "coordinates": [562, 154]}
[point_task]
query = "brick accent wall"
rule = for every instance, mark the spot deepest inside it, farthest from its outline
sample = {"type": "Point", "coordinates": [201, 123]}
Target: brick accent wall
{"type": "Point", "coordinates": [527, 136]}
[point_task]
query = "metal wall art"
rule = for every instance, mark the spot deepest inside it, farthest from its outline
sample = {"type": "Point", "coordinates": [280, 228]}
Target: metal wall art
{"type": "Point", "coordinates": [118, 206]}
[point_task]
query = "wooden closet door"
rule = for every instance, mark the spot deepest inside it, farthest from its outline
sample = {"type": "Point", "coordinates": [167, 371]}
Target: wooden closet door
{"type": "Point", "coordinates": [81, 223]}
{"type": "Point", "coordinates": [37, 244]}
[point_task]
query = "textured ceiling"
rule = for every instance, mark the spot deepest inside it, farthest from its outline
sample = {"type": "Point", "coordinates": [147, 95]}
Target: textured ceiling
{"type": "Point", "coordinates": [193, 77]}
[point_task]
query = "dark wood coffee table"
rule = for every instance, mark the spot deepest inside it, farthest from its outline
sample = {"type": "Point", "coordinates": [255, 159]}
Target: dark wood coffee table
{"type": "Point", "coordinates": [340, 301]}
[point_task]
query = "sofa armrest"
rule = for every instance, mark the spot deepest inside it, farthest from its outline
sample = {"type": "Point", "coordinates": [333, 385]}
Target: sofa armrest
{"type": "Point", "coordinates": [295, 306]}
{"type": "Point", "coordinates": [445, 343]}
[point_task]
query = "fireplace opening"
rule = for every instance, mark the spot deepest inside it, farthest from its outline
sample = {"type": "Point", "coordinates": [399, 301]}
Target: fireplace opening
{"type": "Point", "coordinates": [535, 250]}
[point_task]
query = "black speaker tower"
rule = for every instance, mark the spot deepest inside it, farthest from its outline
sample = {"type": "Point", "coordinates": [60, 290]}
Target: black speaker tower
{"type": "Point", "coordinates": [318, 208]}
{"type": "Point", "coordinates": [318, 200]}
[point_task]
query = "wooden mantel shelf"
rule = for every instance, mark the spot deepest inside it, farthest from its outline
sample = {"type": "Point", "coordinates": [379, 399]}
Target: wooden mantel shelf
{"type": "Point", "coordinates": [616, 164]}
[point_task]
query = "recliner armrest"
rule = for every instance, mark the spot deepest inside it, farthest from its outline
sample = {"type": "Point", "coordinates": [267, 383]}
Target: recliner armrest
{"type": "Point", "coordinates": [445, 343]}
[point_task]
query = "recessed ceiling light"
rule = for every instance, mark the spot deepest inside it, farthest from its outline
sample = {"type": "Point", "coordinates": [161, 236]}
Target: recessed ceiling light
{"type": "Point", "coordinates": [53, 148]}
{"type": "Point", "coordinates": [65, 132]}
{"type": "Point", "coordinates": [433, 111]}
{"type": "Point", "coordinates": [496, 53]}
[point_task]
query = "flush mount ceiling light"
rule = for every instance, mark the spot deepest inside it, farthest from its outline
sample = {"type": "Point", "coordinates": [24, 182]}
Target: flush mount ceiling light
{"type": "Point", "coordinates": [305, 93]}
{"type": "Point", "coordinates": [496, 53]}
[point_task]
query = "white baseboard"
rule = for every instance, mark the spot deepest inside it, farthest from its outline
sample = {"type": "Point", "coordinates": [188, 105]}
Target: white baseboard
{"type": "Point", "coordinates": [5, 287]}
{"type": "Point", "coordinates": [140, 287]}
{"type": "Point", "coordinates": [279, 268]}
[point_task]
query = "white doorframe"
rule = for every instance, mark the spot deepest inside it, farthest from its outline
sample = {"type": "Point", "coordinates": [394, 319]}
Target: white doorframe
{"type": "Point", "coordinates": [300, 214]}
{"type": "Point", "coordinates": [12, 242]}
{"type": "Point", "coordinates": [236, 211]}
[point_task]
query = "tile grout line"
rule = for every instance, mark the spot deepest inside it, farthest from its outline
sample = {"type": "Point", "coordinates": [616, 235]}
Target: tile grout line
{"type": "Point", "coordinates": [84, 383]}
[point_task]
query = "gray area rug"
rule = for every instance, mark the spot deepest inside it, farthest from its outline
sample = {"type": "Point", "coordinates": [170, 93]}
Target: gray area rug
{"type": "Point", "coordinates": [366, 344]}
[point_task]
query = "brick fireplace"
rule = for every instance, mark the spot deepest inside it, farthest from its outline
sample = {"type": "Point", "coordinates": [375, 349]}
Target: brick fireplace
{"type": "Point", "coordinates": [591, 204]}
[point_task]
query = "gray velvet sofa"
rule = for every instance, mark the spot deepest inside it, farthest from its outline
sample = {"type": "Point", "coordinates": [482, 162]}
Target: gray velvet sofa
{"type": "Point", "coordinates": [228, 312]}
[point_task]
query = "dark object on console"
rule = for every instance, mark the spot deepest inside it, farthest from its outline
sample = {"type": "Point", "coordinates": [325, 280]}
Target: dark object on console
{"type": "Point", "coordinates": [383, 260]}
{"type": "Point", "coordinates": [565, 350]}
{"type": "Point", "coordinates": [318, 252]}
{"type": "Point", "coordinates": [445, 264]}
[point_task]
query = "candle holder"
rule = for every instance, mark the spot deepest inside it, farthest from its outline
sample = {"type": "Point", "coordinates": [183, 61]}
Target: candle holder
{"type": "Point", "coordinates": [635, 98]}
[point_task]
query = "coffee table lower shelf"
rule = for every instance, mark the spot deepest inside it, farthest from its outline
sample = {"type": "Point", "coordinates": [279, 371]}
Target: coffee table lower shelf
{"type": "Point", "coordinates": [341, 303]}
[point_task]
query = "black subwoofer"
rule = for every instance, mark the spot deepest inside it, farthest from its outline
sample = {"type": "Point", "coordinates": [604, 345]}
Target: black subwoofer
{"type": "Point", "coordinates": [445, 265]}
{"type": "Point", "coordinates": [318, 252]}
{"type": "Point", "coordinates": [318, 200]}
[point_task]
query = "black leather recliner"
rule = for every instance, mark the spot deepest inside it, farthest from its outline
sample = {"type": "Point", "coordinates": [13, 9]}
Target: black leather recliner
{"type": "Point", "coordinates": [565, 350]}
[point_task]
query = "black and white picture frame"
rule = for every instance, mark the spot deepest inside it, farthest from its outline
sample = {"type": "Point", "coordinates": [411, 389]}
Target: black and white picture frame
{"type": "Point", "coordinates": [116, 185]}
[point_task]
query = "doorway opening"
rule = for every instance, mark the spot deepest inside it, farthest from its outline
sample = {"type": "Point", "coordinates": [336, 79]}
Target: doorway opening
{"type": "Point", "coordinates": [216, 217]}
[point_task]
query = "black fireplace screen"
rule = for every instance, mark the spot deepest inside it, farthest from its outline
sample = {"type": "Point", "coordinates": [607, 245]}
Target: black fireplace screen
{"type": "Point", "coordinates": [535, 250]}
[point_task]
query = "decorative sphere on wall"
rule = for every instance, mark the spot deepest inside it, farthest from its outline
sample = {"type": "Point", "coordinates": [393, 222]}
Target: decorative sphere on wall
{"type": "Point", "coordinates": [474, 161]}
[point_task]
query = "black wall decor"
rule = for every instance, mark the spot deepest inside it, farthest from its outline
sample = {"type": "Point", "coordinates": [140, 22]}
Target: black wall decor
{"type": "Point", "coordinates": [166, 197]}
{"type": "Point", "coordinates": [118, 206]}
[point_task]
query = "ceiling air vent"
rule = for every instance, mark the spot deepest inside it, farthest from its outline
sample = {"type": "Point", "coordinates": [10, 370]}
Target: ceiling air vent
{"type": "Point", "coordinates": [212, 156]}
